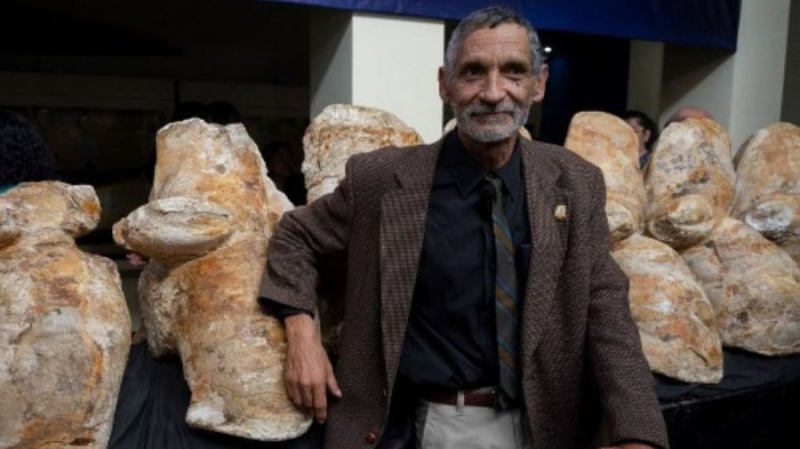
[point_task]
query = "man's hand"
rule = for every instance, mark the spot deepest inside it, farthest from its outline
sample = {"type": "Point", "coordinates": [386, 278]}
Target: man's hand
{"type": "Point", "coordinates": [308, 372]}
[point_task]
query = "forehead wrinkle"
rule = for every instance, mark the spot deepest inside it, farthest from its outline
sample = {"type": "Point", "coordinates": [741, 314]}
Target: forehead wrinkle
{"type": "Point", "coordinates": [488, 58]}
{"type": "Point", "coordinates": [483, 45]}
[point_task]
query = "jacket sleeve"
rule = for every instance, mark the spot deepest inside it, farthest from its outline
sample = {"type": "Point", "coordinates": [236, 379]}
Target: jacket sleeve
{"type": "Point", "coordinates": [302, 238]}
{"type": "Point", "coordinates": [623, 380]}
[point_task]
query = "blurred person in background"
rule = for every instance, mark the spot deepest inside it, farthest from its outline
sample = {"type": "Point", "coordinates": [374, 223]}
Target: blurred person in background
{"type": "Point", "coordinates": [647, 132]}
{"type": "Point", "coordinates": [279, 158]}
{"type": "Point", "coordinates": [24, 155]}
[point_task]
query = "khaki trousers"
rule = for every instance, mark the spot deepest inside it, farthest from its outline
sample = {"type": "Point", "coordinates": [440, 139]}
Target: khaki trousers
{"type": "Point", "coordinates": [442, 426]}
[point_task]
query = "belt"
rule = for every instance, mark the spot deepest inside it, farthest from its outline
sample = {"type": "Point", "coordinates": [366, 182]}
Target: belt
{"type": "Point", "coordinates": [480, 397]}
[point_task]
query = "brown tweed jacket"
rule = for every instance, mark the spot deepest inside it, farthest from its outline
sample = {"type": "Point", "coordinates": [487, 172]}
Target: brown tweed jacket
{"type": "Point", "coordinates": [581, 355]}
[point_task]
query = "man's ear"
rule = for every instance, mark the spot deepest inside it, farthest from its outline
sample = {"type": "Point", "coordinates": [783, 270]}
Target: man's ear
{"type": "Point", "coordinates": [540, 84]}
{"type": "Point", "coordinates": [444, 94]}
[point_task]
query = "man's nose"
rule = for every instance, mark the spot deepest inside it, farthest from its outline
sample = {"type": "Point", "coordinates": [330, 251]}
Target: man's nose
{"type": "Point", "coordinates": [493, 89]}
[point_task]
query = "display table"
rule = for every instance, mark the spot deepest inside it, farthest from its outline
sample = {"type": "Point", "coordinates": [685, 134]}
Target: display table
{"type": "Point", "coordinates": [756, 406]}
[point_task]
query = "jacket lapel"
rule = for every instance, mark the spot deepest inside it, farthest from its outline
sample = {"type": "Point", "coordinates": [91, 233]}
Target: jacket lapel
{"type": "Point", "coordinates": [403, 214]}
{"type": "Point", "coordinates": [548, 215]}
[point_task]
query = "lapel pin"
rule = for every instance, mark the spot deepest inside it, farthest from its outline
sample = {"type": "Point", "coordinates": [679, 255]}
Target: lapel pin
{"type": "Point", "coordinates": [560, 212]}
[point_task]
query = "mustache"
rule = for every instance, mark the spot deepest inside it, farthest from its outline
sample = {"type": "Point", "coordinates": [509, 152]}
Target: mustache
{"type": "Point", "coordinates": [482, 108]}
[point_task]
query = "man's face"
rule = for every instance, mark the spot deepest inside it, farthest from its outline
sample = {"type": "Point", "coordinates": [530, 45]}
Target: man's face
{"type": "Point", "coordinates": [492, 85]}
{"type": "Point", "coordinates": [642, 133]}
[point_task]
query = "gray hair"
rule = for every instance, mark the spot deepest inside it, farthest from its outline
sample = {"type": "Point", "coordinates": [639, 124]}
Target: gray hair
{"type": "Point", "coordinates": [489, 18]}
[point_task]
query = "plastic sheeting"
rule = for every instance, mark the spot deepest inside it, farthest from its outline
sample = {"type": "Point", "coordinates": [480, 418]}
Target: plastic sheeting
{"type": "Point", "coordinates": [711, 23]}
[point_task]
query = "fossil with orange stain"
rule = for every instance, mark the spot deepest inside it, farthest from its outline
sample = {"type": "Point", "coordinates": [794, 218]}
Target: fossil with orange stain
{"type": "Point", "coordinates": [690, 182]}
{"type": "Point", "coordinates": [342, 130]}
{"type": "Point", "coordinates": [669, 307]}
{"type": "Point", "coordinates": [754, 287]}
{"type": "Point", "coordinates": [611, 144]}
{"type": "Point", "coordinates": [211, 212]}
{"type": "Point", "coordinates": [671, 310]}
{"type": "Point", "coordinates": [64, 323]}
{"type": "Point", "coordinates": [768, 185]}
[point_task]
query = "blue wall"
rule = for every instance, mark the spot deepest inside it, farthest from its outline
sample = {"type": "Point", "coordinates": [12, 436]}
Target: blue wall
{"type": "Point", "coordinates": [587, 73]}
{"type": "Point", "coordinates": [713, 23]}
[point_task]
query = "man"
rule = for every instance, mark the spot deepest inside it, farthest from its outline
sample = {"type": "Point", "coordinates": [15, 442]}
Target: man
{"type": "Point", "coordinates": [486, 335]}
{"type": "Point", "coordinates": [647, 132]}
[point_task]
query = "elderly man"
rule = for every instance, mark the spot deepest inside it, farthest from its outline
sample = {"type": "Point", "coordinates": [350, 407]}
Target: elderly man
{"type": "Point", "coordinates": [481, 302]}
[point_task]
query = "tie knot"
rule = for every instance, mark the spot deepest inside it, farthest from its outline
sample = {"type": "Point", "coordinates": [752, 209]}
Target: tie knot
{"type": "Point", "coordinates": [496, 183]}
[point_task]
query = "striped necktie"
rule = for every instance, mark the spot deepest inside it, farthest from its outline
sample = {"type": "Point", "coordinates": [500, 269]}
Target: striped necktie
{"type": "Point", "coordinates": [505, 291]}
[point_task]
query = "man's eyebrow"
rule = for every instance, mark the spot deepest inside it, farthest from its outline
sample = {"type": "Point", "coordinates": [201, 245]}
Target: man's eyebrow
{"type": "Point", "coordinates": [474, 64]}
{"type": "Point", "coordinates": [517, 64]}
{"type": "Point", "coordinates": [473, 60]}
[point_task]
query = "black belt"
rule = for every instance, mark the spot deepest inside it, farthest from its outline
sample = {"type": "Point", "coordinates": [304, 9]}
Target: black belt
{"type": "Point", "coordinates": [480, 397]}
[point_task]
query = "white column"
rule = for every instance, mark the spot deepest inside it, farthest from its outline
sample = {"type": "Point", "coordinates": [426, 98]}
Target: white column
{"type": "Point", "coordinates": [379, 61]}
{"type": "Point", "coordinates": [644, 77]}
{"type": "Point", "coordinates": [743, 91]}
{"type": "Point", "coordinates": [697, 77]}
{"type": "Point", "coordinates": [759, 67]}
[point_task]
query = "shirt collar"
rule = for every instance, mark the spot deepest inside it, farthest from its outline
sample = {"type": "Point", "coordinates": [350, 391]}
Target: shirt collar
{"type": "Point", "coordinates": [468, 174]}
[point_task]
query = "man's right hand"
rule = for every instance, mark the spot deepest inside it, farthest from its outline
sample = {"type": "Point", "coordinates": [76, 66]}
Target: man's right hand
{"type": "Point", "coordinates": [308, 374]}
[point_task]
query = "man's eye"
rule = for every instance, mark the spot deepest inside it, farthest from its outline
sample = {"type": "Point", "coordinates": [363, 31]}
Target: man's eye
{"type": "Point", "coordinates": [471, 72]}
{"type": "Point", "coordinates": [517, 70]}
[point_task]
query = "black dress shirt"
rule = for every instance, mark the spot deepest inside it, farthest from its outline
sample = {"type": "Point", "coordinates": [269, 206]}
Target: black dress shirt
{"type": "Point", "coordinates": [450, 340]}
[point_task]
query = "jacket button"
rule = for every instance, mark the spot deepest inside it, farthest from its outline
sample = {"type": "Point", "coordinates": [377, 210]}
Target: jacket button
{"type": "Point", "coordinates": [371, 438]}
{"type": "Point", "coordinates": [385, 393]}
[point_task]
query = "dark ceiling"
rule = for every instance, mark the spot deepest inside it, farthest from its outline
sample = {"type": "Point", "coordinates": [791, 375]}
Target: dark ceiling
{"type": "Point", "coordinates": [272, 37]}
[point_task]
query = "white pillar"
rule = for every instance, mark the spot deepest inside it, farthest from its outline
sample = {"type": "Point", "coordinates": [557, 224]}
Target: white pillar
{"type": "Point", "coordinates": [379, 61]}
{"type": "Point", "coordinates": [759, 67]}
{"type": "Point", "coordinates": [697, 77]}
{"type": "Point", "coordinates": [743, 91]}
{"type": "Point", "coordinates": [644, 77]}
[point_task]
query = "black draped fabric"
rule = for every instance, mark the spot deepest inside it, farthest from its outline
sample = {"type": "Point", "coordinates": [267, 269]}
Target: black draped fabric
{"type": "Point", "coordinates": [743, 371]}
{"type": "Point", "coordinates": [754, 407]}
{"type": "Point", "coordinates": [152, 404]}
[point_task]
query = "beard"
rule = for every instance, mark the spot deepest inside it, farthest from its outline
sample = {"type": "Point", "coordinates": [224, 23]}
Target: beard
{"type": "Point", "coordinates": [474, 121]}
